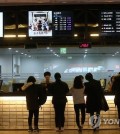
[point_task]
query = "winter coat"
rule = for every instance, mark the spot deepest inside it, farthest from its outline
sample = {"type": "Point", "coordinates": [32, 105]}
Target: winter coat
{"type": "Point", "coordinates": [59, 89]}
{"type": "Point", "coordinates": [32, 95]}
{"type": "Point", "coordinates": [93, 91]}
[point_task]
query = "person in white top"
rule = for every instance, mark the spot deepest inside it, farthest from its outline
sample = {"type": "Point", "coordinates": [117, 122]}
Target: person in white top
{"type": "Point", "coordinates": [77, 92]}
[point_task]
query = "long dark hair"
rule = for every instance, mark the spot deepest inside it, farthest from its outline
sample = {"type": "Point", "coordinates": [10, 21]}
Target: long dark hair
{"type": "Point", "coordinates": [78, 82]}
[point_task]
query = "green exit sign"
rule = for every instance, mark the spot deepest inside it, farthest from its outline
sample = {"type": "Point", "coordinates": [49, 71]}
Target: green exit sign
{"type": "Point", "coordinates": [63, 50]}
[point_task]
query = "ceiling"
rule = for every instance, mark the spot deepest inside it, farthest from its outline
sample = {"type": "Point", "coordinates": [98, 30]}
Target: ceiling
{"type": "Point", "coordinates": [55, 2]}
{"type": "Point", "coordinates": [70, 51]}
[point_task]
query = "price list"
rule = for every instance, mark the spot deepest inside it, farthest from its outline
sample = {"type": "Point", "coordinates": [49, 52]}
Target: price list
{"type": "Point", "coordinates": [62, 22]}
{"type": "Point", "coordinates": [110, 22]}
{"type": "Point", "coordinates": [117, 15]}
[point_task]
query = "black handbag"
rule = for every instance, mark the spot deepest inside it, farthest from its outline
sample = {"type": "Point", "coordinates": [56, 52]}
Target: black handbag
{"type": "Point", "coordinates": [104, 104]}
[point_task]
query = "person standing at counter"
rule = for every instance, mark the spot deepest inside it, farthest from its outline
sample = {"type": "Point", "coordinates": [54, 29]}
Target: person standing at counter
{"type": "Point", "coordinates": [110, 83]}
{"type": "Point", "coordinates": [59, 89]}
{"type": "Point", "coordinates": [116, 91]}
{"type": "Point", "coordinates": [32, 100]}
{"type": "Point", "coordinates": [77, 92]}
{"type": "Point", "coordinates": [47, 81]}
{"type": "Point", "coordinates": [93, 92]}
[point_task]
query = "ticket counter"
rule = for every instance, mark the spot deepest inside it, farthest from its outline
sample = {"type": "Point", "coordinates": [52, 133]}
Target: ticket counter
{"type": "Point", "coordinates": [13, 113]}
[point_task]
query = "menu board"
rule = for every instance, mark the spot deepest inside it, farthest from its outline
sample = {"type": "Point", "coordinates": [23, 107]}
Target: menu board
{"type": "Point", "coordinates": [1, 24]}
{"type": "Point", "coordinates": [50, 23]}
{"type": "Point", "coordinates": [62, 22]}
{"type": "Point", "coordinates": [110, 22]}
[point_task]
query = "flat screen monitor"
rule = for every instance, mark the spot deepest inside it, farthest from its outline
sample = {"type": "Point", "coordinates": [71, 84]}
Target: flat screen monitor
{"type": "Point", "coordinates": [110, 22]}
{"type": "Point", "coordinates": [17, 86]}
{"type": "Point", "coordinates": [62, 23]}
{"type": "Point", "coordinates": [1, 24]}
{"type": "Point", "coordinates": [40, 23]}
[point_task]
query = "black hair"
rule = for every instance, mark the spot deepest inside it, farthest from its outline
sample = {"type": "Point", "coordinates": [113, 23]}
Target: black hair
{"type": "Point", "coordinates": [78, 82]}
{"type": "Point", "coordinates": [88, 76]}
{"type": "Point", "coordinates": [47, 74]}
{"type": "Point", "coordinates": [57, 76]}
{"type": "Point", "coordinates": [31, 79]}
{"type": "Point", "coordinates": [81, 76]}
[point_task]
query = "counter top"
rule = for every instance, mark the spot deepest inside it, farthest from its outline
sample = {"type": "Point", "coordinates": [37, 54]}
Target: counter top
{"type": "Point", "coordinates": [20, 93]}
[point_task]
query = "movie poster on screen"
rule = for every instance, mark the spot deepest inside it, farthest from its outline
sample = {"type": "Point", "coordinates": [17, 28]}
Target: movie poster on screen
{"type": "Point", "coordinates": [1, 24]}
{"type": "Point", "coordinates": [40, 23]}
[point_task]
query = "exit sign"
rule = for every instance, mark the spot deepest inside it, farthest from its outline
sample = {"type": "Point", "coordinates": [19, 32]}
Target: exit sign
{"type": "Point", "coordinates": [85, 45]}
{"type": "Point", "coordinates": [63, 50]}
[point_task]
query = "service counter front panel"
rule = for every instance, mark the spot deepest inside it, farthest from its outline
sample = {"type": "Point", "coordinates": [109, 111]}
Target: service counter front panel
{"type": "Point", "coordinates": [13, 114]}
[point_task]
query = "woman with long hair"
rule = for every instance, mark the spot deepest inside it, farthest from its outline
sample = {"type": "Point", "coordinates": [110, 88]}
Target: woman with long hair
{"type": "Point", "coordinates": [77, 92]}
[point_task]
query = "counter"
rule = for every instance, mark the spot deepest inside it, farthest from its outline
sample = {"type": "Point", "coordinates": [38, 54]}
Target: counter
{"type": "Point", "coordinates": [13, 113]}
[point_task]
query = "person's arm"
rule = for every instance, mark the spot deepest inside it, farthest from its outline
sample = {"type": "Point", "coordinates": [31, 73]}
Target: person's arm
{"type": "Point", "coordinates": [25, 86]}
{"type": "Point", "coordinates": [67, 88]}
{"type": "Point", "coordinates": [85, 90]}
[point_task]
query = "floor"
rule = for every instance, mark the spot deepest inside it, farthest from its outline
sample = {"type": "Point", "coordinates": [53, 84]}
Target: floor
{"type": "Point", "coordinates": [117, 131]}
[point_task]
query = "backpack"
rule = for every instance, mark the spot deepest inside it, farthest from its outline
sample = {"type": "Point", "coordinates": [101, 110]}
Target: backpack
{"type": "Point", "coordinates": [42, 96]}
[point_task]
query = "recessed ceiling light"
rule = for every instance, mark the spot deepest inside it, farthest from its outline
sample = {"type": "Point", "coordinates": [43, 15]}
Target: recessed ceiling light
{"type": "Point", "coordinates": [9, 48]}
{"type": "Point", "coordinates": [75, 35]}
{"type": "Point", "coordinates": [16, 51]}
{"type": "Point", "coordinates": [69, 57]}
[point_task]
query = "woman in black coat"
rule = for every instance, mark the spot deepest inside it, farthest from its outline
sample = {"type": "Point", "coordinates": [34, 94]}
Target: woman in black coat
{"type": "Point", "coordinates": [32, 100]}
{"type": "Point", "coordinates": [116, 91]}
{"type": "Point", "coordinates": [93, 91]}
{"type": "Point", "coordinates": [59, 89]}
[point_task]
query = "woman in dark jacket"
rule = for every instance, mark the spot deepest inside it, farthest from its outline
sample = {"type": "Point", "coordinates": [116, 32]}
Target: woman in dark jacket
{"type": "Point", "coordinates": [32, 100]}
{"type": "Point", "coordinates": [59, 89]}
{"type": "Point", "coordinates": [116, 91]}
{"type": "Point", "coordinates": [93, 91]}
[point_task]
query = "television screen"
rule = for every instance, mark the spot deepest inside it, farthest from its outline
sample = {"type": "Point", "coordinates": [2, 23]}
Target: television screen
{"type": "Point", "coordinates": [1, 24]}
{"type": "Point", "coordinates": [40, 23]}
{"type": "Point", "coordinates": [110, 22]}
{"type": "Point", "coordinates": [62, 22]}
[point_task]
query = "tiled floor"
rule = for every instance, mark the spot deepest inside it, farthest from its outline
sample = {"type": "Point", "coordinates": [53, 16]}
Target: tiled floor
{"type": "Point", "coordinates": [117, 131]}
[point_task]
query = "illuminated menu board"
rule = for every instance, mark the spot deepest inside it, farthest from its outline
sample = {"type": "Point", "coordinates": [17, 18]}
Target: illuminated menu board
{"type": "Point", "coordinates": [62, 22]}
{"type": "Point", "coordinates": [1, 24]}
{"type": "Point", "coordinates": [110, 22]}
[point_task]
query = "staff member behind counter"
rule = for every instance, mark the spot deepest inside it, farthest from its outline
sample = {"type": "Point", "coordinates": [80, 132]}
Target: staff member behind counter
{"type": "Point", "coordinates": [47, 81]}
